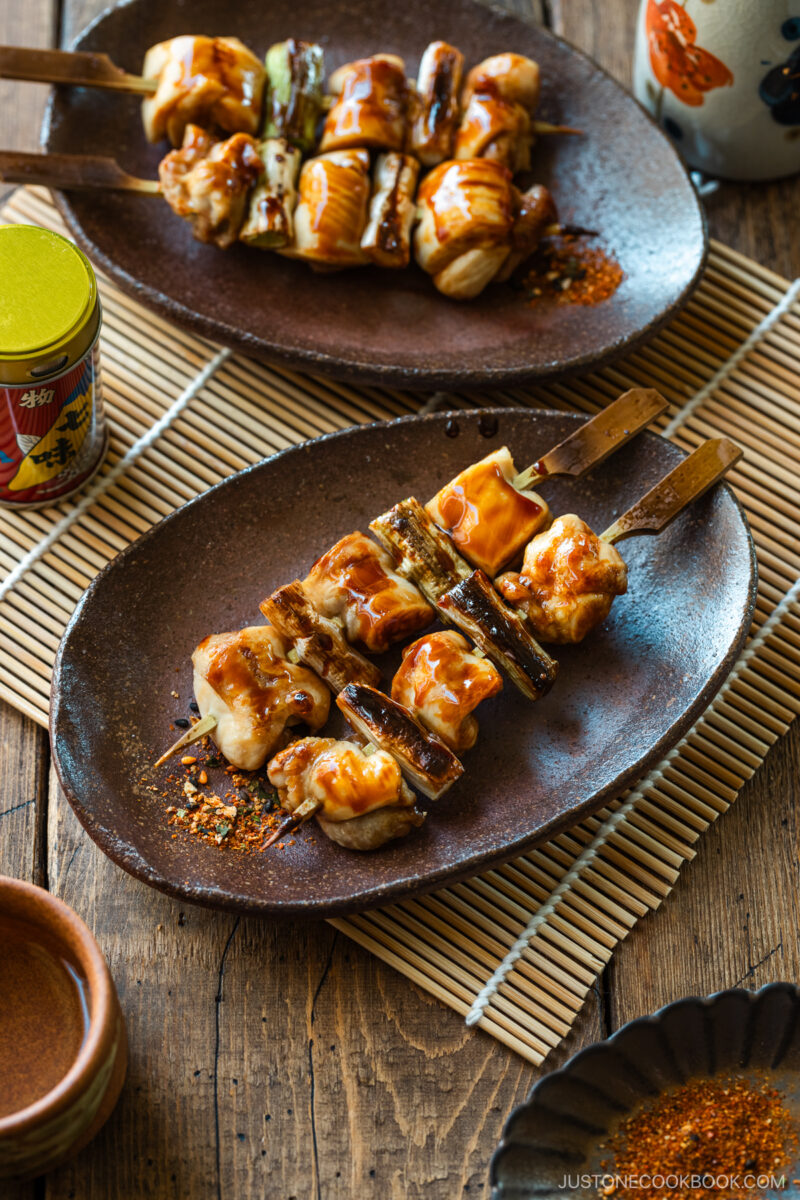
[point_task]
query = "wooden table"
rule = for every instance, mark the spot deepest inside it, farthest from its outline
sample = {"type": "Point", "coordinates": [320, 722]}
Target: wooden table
{"type": "Point", "coordinates": [285, 1062]}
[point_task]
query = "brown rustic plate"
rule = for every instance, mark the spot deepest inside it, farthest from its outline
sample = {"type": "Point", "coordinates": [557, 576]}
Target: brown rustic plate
{"type": "Point", "coordinates": [622, 178]}
{"type": "Point", "coordinates": [621, 699]}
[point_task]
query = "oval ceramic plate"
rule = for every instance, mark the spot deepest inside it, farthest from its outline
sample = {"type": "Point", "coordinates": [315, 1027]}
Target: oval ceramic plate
{"type": "Point", "coordinates": [620, 701]}
{"type": "Point", "coordinates": [558, 1133]}
{"type": "Point", "coordinates": [622, 178]}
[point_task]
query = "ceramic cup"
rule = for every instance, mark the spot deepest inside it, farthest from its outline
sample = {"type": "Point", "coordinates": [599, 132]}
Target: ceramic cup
{"type": "Point", "coordinates": [722, 78]}
{"type": "Point", "coordinates": [66, 1053]}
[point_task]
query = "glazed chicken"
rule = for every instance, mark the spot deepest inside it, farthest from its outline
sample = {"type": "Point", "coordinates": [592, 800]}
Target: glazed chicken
{"type": "Point", "coordinates": [568, 581]}
{"type": "Point", "coordinates": [363, 799]}
{"type": "Point", "coordinates": [371, 106]}
{"type": "Point", "coordinates": [498, 101]}
{"type": "Point", "coordinates": [331, 213]}
{"type": "Point", "coordinates": [387, 238]}
{"type": "Point", "coordinates": [466, 215]}
{"type": "Point", "coordinates": [245, 680]}
{"type": "Point", "coordinates": [203, 81]}
{"type": "Point", "coordinates": [489, 520]}
{"type": "Point", "coordinates": [441, 681]}
{"type": "Point", "coordinates": [208, 183]}
{"type": "Point", "coordinates": [356, 582]}
{"type": "Point", "coordinates": [437, 108]}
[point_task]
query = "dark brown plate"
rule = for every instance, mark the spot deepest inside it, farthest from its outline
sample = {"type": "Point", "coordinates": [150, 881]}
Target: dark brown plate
{"type": "Point", "coordinates": [622, 178]}
{"type": "Point", "coordinates": [620, 701]}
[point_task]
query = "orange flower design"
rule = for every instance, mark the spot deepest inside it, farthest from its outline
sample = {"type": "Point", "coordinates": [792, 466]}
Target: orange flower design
{"type": "Point", "coordinates": [678, 64]}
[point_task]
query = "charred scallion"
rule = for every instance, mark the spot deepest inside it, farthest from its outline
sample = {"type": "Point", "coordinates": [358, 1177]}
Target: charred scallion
{"type": "Point", "coordinates": [295, 73]}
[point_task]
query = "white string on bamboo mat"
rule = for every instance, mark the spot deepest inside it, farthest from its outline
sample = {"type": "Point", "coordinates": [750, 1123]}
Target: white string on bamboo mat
{"type": "Point", "coordinates": [729, 366]}
{"type": "Point", "coordinates": [102, 483]}
{"type": "Point", "coordinates": [592, 849]}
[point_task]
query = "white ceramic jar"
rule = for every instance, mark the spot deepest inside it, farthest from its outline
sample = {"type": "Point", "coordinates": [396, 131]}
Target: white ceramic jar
{"type": "Point", "coordinates": [722, 78]}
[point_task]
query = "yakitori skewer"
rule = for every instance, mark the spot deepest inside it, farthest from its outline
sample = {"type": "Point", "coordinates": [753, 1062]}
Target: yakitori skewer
{"type": "Point", "coordinates": [571, 575]}
{"type": "Point", "coordinates": [488, 514]}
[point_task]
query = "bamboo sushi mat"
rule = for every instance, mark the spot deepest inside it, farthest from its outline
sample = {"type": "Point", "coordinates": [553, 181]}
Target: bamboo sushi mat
{"type": "Point", "coordinates": [516, 950]}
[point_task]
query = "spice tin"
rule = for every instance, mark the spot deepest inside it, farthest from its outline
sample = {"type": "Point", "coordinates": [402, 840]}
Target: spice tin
{"type": "Point", "coordinates": [53, 434]}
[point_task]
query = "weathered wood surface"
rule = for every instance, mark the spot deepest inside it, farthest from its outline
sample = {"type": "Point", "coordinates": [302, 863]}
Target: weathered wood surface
{"type": "Point", "coordinates": [286, 1062]}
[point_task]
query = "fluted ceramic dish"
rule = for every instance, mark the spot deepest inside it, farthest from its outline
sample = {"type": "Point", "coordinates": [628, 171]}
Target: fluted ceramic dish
{"type": "Point", "coordinates": [622, 178]}
{"type": "Point", "coordinates": [556, 1134]}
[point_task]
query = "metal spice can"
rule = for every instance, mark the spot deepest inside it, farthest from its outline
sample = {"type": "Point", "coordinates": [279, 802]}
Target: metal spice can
{"type": "Point", "coordinates": [53, 432]}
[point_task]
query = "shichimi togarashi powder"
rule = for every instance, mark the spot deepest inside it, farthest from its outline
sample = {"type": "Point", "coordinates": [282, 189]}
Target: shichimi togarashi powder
{"type": "Point", "coordinates": [726, 1133]}
{"type": "Point", "coordinates": [236, 809]}
{"type": "Point", "coordinates": [568, 270]}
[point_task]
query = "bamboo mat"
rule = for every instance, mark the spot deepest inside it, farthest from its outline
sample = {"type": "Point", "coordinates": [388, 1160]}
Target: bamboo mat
{"type": "Point", "coordinates": [515, 950]}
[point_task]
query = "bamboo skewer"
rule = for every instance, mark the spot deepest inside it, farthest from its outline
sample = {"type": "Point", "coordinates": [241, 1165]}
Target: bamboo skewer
{"type": "Point", "coordinates": [301, 814]}
{"type": "Point", "coordinates": [199, 730]}
{"type": "Point", "coordinates": [685, 483]}
{"type": "Point", "coordinates": [70, 67]}
{"type": "Point", "coordinates": [72, 171]}
{"type": "Point", "coordinates": [591, 445]}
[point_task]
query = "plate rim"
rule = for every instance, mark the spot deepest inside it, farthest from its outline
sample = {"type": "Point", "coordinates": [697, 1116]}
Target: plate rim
{"type": "Point", "coordinates": [383, 374]}
{"type": "Point", "coordinates": [132, 861]}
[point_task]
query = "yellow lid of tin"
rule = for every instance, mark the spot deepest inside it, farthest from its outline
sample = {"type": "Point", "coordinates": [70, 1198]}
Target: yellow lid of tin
{"type": "Point", "coordinates": [48, 301]}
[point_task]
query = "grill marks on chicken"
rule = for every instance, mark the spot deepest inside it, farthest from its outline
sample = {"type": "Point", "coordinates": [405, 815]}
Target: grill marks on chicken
{"type": "Point", "coordinates": [355, 581]}
{"type": "Point", "coordinates": [498, 101]}
{"type": "Point", "coordinates": [208, 183]}
{"type": "Point", "coordinates": [331, 212]}
{"type": "Point", "coordinates": [202, 81]}
{"type": "Point", "coordinates": [371, 106]}
{"type": "Point", "coordinates": [568, 581]}
{"type": "Point", "coordinates": [489, 520]}
{"type": "Point", "coordinates": [245, 680]}
{"type": "Point", "coordinates": [441, 681]}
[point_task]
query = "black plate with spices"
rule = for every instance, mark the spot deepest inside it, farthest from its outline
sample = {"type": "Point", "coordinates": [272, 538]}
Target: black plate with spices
{"type": "Point", "coordinates": [622, 178]}
{"type": "Point", "coordinates": [123, 674]}
{"type": "Point", "coordinates": [703, 1087]}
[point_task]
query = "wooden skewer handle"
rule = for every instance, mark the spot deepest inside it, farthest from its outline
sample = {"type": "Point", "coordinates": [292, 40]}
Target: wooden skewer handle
{"type": "Point", "coordinates": [590, 445]}
{"type": "Point", "coordinates": [676, 491]}
{"type": "Point", "coordinates": [74, 68]}
{"type": "Point", "coordinates": [71, 171]}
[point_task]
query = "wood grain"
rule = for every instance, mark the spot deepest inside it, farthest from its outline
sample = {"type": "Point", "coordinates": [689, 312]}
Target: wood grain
{"type": "Point", "coordinates": [286, 1062]}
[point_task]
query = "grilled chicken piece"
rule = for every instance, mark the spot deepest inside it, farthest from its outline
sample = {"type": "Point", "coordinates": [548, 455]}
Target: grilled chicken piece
{"type": "Point", "coordinates": [568, 581]}
{"type": "Point", "coordinates": [489, 520]}
{"type": "Point", "coordinates": [437, 108]}
{"type": "Point", "coordinates": [355, 581]}
{"type": "Point", "coordinates": [535, 211]}
{"type": "Point", "coordinates": [501, 633]}
{"type": "Point", "coordinates": [371, 106]}
{"type": "Point", "coordinates": [331, 212]}
{"type": "Point", "coordinates": [464, 233]}
{"type": "Point", "coordinates": [498, 101]}
{"type": "Point", "coordinates": [387, 238]}
{"type": "Point", "coordinates": [422, 552]}
{"type": "Point", "coordinates": [207, 183]}
{"type": "Point", "coordinates": [440, 681]}
{"type": "Point", "coordinates": [319, 641]}
{"type": "Point", "coordinates": [425, 760]}
{"type": "Point", "coordinates": [364, 800]}
{"type": "Point", "coordinates": [202, 81]}
{"type": "Point", "coordinates": [270, 216]}
{"type": "Point", "coordinates": [246, 682]}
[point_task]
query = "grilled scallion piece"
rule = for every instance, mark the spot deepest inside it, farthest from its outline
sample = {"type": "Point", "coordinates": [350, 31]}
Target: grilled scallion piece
{"type": "Point", "coordinates": [270, 217]}
{"type": "Point", "coordinates": [424, 554]}
{"type": "Point", "coordinates": [501, 633]}
{"type": "Point", "coordinates": [294, 99]}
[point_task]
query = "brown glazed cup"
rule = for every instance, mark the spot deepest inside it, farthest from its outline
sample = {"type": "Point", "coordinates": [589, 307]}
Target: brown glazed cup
{"type": "Point", "coordinates": [62, 1121]}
